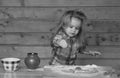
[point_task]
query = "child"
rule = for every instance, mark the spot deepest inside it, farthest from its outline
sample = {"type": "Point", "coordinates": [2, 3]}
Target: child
{"type": "Point", "coordinates": [68, 41]}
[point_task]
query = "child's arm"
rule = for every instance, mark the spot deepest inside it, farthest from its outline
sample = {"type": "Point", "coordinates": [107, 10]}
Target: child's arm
{"type": "Point", "coordinates": [83, 50]}
{"type": "Point", "coordinates": [93, 53]}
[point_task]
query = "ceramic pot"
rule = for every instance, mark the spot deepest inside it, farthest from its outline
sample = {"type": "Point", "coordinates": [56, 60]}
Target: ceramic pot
{"type": "Point", "coordinates": [32, 60]}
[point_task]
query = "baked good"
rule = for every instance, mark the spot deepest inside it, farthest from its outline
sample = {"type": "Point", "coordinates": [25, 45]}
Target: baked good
{"type": "Point", "coordinates": [75, 70]}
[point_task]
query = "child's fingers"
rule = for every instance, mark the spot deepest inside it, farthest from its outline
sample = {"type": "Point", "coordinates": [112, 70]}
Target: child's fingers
{"type": "Point", "coordinates": [94, 53]}
{"type": "Point", "coordinates": [97, 53]}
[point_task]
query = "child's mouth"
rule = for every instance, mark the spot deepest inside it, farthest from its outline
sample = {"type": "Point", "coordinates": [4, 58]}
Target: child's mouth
{"type": "Point", "coordinates": [73, 33]}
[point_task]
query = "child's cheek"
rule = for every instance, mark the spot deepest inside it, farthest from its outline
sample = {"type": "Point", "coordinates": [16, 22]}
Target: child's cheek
{"type": "Point", "coordinates": [76, 31]}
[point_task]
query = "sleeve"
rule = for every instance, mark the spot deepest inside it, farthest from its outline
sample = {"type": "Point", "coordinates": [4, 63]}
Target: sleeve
{"type": "Point", "coordinates": [55, 46]}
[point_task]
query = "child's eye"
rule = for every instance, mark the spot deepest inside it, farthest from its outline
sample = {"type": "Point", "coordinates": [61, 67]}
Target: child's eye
{"type": "Point", "coordinates": [77, 28]}
{"type": "Point", "coordinates": [71, 27]}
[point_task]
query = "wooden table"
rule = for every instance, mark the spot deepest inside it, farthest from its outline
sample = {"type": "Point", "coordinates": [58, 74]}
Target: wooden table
{"type": "Point", "coordinates": [39, 73]}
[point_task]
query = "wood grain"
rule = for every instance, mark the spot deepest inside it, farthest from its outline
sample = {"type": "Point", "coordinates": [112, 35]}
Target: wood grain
{"type": "Point", "coordinates": [72, 3]}
{"type": "Point", "coordinates": [53, 14]}
{"type": "Point", "coordinates": [45, 52]}
{"type": "Point", "coordinates": [44, 38]}
{"type": "Point", "coordinates": [26, 26]}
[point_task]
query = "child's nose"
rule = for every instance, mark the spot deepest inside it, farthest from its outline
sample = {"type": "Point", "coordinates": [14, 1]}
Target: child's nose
{"type": "Point", "coordinates": [73, 29]}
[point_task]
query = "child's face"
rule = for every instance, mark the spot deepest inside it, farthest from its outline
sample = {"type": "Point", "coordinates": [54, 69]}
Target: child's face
{"type": "Point", "coordinates": [73, 27]}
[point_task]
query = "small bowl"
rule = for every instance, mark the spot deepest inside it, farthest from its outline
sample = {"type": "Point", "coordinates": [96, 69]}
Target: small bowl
{"type": "Point", "coordinates": [10, 64]}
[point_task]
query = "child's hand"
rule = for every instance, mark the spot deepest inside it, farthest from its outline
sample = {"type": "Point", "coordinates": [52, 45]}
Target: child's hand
{"type": "Point", "coordinates": [63, 44]}
{"type": "Point", "coordinates": [94, 53]}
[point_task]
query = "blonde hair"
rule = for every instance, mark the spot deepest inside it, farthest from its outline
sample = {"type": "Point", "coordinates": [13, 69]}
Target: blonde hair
{"type": "Point", "coordinates": [66, 19]}
{"type": "Point", "coordinates": [68, 15]}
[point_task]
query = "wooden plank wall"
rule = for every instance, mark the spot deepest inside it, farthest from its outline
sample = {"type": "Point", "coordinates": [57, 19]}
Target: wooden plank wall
{"type": "Point", "coordinates": [26, 26]}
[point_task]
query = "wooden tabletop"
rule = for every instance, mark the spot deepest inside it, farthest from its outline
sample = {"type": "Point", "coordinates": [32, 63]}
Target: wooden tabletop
{"type": "Point", "coordinates": [40, 73]}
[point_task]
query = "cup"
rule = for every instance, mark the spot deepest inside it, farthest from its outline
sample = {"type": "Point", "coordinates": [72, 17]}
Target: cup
{"type": "Point", "coordinates": [10, 64]}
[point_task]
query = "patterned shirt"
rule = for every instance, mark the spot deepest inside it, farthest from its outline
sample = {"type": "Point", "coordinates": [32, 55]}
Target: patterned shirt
{"type": "Point", "coordinates": [65, 55]}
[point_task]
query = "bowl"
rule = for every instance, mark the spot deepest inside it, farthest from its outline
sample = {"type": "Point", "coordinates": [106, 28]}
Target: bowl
{"type": "Point", "coordinates": [10, 64]}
